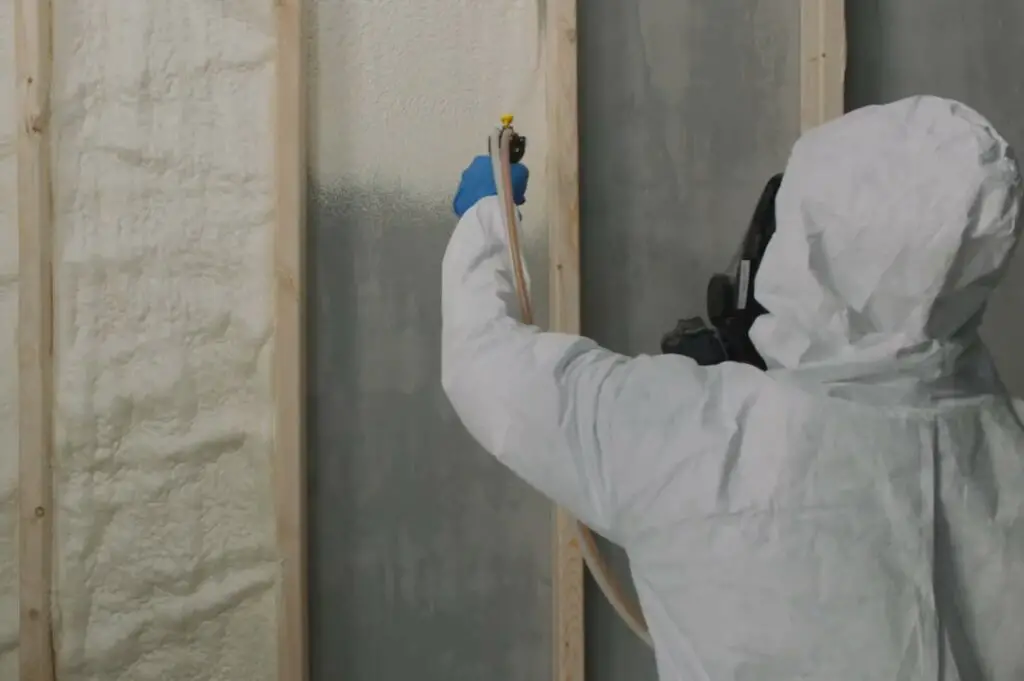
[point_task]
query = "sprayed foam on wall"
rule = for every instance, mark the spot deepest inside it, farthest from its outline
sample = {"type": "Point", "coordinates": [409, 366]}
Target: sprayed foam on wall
{"type": "Point", "coordinates": [406, 91]}
{"type": "Point", "coordinates": [403, 94]}
{"type": "Point", "coordinates": [165, 551]}
{"type": "Point", "coordinates": [8, 354]}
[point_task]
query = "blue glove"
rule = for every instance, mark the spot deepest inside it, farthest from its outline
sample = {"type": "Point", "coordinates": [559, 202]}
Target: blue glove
{"type": "Point", "coordinates": [478, 183]}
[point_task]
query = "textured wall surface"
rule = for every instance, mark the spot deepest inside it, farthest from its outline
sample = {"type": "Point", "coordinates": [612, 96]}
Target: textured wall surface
{"type": "Point", "coordinates": [430, 561]}
{"type": "Point", "coordinates": [969, 51]}
{"type": "Point", "coordinates": [8, 352]}
{"type": "Point", "coordinates": [687, 108]}
{"type": "Point", "coordinates": [165, 548]}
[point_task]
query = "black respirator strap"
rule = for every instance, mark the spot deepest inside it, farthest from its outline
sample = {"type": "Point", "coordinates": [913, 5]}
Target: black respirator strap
{"type": "Point", "coordinates": [755, 243]}
{"type": "Point", "coordinates": [743, 284]}
{"type": "Point", "coordinates": [732, 294]}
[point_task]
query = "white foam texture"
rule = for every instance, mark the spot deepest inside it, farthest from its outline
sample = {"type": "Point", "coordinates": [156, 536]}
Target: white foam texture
{"type": "Point", "coordinates": [166, 565]}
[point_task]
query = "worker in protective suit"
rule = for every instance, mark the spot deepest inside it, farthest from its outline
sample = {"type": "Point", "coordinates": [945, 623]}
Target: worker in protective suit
{"type": "Point", "coordinates": [854, 512]}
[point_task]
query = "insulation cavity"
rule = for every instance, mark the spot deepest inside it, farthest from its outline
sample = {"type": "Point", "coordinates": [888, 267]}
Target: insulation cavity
{"type": "Point", "coordinates": [165, 554]}
{"type": "Point", "coordinates": [8, 353]}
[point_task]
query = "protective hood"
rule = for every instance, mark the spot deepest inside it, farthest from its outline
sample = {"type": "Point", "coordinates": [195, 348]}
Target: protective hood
{"type": "Point", "coordinates": [894, 224]}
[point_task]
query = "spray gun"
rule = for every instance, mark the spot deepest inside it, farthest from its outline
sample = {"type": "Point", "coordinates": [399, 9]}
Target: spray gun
{"type": "Point", "coordinates": [515, 141]}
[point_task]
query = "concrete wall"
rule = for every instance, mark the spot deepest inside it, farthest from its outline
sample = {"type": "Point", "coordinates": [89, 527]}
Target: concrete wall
{"type": "Point", "coordinates": [687, 108]}
{"type": "Point", "coordinates": [970, 51]}
{"type": "Point", "coordinates": [429, 560]}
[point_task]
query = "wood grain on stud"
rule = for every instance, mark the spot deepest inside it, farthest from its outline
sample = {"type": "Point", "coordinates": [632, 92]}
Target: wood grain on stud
{"type": "Point", "coordinates": [33, 64]}
{"type": "Point", "coordinates": [822, 61]}
{"type": "Point", "coordinates": [567, 586]}
{"type": "Point", "coordinates": [563, 213]}
{"type": "Point", "coordinates": [289, 364]}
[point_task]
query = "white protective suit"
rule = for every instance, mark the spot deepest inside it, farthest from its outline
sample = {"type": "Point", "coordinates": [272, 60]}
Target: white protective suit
{"type": "Point", "coordinates": [855, 513]}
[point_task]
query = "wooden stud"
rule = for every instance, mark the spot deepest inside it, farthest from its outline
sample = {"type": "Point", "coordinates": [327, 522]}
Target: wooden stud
{"type": "Point", "coordinates": [33, 65]}
{"type": "Point", "coordinates": [567, 587]}
{"type": "Point", "coordinates": [563, 208]}
{"type": "Point", "coordinates": [289, 350]}
{"type": "Point", "coordinates": [822, 61]}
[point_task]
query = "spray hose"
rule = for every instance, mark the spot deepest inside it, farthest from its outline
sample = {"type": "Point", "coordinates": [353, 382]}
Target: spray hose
{"type": "Point", "coordinates": [506, 147]}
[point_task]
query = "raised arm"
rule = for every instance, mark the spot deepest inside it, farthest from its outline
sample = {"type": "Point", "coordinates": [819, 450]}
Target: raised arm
{"type": "Point", "coordinates": [583, 425]}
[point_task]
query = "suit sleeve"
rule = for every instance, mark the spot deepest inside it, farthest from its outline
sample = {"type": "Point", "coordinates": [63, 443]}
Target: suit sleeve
{"type": "Point", "coordinates": [574, 420]}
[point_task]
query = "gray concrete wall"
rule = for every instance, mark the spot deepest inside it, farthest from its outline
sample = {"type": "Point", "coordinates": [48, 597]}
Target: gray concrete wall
{"type": "Point", "coordinates": [429, 560]}
{"type": "Point", "coordinates": [971, 51]}
{"type": "Point", "coordinates": [687, 108]}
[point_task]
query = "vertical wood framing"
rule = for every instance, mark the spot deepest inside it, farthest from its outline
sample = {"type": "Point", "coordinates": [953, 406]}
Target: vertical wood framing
{"type": "Point", "coordinates": [563, 207]}
{"type": "Point", "coordinates": [822, 61]}
{"type": "Point", "coordinates": [567, 587]}
{"type": "Point", "coordinates": [33, 64]}
{"type": "Point", "coordinates": [289, 349]}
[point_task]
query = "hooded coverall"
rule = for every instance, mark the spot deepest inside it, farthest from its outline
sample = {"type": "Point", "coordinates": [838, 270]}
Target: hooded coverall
{"type": "Point", "coordinates": [855, 512]}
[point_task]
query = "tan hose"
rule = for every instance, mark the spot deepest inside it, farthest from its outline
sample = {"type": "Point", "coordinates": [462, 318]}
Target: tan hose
{"type": "Point", "coordinates": [628, 609]}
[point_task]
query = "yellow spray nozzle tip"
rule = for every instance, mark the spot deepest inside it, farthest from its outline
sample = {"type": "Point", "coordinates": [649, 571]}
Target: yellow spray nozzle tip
{"type": "Point", "coordinates": [506, 120]}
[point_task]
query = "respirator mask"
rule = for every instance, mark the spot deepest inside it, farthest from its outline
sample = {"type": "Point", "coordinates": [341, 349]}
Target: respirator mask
{"type": "Point", "coordinates": [731, 307]}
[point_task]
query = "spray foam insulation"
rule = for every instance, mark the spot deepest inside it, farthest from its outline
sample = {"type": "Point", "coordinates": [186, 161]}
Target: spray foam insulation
{"type": "Point", "coordinates": [8, 355]}
{"type": "Point", "coordinates": [406, 93]}
{"type": "Point", "coordinates": [165, 555]}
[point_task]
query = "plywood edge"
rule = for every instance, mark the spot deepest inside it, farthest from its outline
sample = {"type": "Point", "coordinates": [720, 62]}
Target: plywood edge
{"type": "Point", "coordinates": [289, 448]}
{"type": "Point", "coordinates": [822, 61]}
{"type": "Point", "coordinates": [33, 64]}
{"type": "Point", "coordinates": [563, 216]}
